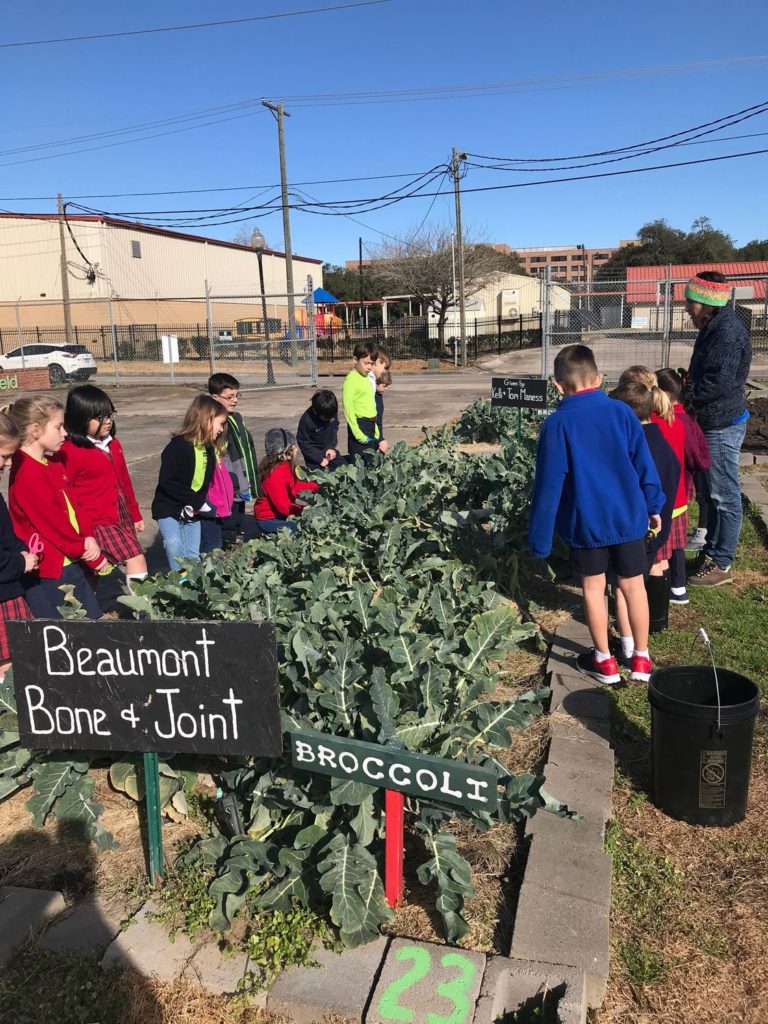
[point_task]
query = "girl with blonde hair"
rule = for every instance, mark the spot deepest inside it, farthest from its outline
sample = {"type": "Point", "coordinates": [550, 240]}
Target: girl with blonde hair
{"type": "Point", "coordinates": [187, 466]}
{"type": "Point", "coordinates": [45, 513]}
{"type": "Point", "coordinates": [673, 432]}
{"type": "Point", "coordinates": [15, 559]}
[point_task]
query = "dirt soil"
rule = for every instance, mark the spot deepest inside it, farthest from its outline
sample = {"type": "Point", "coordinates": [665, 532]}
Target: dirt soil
{"type": "Point", "coordinates": [756, 439]}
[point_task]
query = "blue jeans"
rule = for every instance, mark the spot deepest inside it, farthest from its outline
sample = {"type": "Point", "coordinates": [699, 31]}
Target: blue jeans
{"type": "Point", "coordinates": [180, 540]}
{"type": "Point", "coordinates": [724, 497]}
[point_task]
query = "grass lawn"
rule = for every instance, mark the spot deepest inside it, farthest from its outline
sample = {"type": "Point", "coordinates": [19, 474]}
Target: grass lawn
{"type": "Point", "coordinates": [689, 922]}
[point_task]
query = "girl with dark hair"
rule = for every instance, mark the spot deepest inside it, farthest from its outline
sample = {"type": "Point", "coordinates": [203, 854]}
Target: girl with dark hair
{"type": "Point", "coordinates": [100, 481]}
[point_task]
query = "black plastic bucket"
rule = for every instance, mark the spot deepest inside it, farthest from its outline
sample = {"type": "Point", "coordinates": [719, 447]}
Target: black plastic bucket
{"type": "Point", "coordinates": [701, 756]}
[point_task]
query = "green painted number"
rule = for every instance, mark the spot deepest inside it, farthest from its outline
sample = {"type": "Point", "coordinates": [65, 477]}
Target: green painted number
{"type": "Point", "coordinates": [457, 990]}
{"type": "Point", "coordinates": [389, 1007]}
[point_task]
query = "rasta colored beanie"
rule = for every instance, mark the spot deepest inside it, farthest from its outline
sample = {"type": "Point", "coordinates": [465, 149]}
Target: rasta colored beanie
{"type": "Point", "coordinates": [710, 293]}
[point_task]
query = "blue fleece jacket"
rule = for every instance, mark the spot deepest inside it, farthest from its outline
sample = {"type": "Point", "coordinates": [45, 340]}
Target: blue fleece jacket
{"type": "Point", "coordinates": [596, 482]}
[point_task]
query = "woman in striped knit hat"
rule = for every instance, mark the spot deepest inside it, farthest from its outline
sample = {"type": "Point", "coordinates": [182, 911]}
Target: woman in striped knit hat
{"type": "Point", "coordinates": [718, 372]}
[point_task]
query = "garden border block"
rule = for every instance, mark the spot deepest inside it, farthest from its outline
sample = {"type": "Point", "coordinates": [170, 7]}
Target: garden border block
{"type": "Point", "coordinates": [511, 984]}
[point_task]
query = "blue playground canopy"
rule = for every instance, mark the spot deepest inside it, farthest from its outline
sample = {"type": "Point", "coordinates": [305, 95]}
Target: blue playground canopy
{"type": "Point", "coordinates": [320, 295]}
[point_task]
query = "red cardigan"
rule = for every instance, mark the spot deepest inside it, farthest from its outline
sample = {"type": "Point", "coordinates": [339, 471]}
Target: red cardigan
{"type": "Point", "coordinates": [674, 435]}
{"type": "Point", "coordinates": [95, 479]}
{"type": "Point", "coordinates": [279, 491]}
{"type": "Point", "coordinates": [697, 457]}
{"type": "Point", "coordinates": [37, 505]}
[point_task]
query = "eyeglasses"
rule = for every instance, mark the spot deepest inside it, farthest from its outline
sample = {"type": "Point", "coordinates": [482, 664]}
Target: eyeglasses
{"type": "Point", "coordinates": [110, 416]}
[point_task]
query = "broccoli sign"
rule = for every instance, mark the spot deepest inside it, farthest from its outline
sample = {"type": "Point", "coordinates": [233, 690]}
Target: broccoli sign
{"type": "Point", "coordinates": [519, 392]}
{"type": "Point", "coordinates": [397, 771]}
{"type": "Point", "coordinates": [387, 767]}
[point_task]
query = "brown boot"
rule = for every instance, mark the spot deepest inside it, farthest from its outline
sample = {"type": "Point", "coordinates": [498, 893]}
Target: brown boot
{"type": "Point", "coordinates": [711, 575]}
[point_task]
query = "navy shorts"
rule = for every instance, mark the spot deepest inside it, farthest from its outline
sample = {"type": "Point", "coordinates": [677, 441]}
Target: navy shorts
{"type": "Point", "coordinates": [625, 560]}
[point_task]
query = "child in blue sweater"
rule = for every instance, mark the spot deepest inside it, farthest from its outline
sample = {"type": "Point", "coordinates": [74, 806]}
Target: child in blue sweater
{"type": "Point", "coordinates": [597, 485]}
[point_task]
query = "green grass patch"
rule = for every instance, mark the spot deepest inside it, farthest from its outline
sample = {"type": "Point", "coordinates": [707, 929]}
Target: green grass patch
{"type": "Point", "coordinates": [647, 886]}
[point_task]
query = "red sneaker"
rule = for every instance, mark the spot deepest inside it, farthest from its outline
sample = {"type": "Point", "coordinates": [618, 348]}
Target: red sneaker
{"type": "Point", "coordinates": [606, 673]}
{"type": "Point", "coordinates": [640, 669]}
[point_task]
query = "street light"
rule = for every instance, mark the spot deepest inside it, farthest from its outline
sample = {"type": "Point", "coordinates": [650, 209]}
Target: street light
{"type": "Point", "coordinates": [259, 244]}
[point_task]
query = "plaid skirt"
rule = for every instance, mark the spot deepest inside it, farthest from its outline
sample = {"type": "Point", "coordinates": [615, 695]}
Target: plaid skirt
{"type": "Point", "coordinates": [119, 542]}
{"type": "Point", "coordinates": [678, 537]}
{"type": "Point", "coordinates": [15, 608]}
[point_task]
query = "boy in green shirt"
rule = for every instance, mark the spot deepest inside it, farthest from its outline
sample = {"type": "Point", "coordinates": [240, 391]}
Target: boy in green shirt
{"type": "Point", "coordinates": [359, 401]}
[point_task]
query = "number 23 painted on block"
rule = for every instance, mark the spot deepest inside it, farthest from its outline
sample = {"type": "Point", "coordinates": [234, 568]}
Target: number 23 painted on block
{"type": "Point", "coordinates": [457, 989]}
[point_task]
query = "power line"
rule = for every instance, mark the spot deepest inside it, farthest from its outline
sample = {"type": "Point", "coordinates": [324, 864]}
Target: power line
{"type": "Point", "coordinates": [333, 208]}
{"type": "Point", "coordinates": [225, 188]}
{"type": "Point", "coordinates": [198, 25]}
{"type": "Point", "coordinates": [748, 112]}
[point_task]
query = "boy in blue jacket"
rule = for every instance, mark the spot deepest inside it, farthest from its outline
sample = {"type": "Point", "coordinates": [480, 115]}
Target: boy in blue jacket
{"type": "Point", "coordinates": [597, 485]}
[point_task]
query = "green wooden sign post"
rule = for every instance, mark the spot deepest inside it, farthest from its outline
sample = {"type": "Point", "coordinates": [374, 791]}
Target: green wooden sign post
{"type": "Point", "coordinates": [154, 818]}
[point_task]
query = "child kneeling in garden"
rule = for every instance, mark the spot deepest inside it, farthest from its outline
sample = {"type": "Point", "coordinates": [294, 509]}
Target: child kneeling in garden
{"type": "Point", "coordinates": [596, 483]}
{"type": "Point", "coordinates": [280, 484]}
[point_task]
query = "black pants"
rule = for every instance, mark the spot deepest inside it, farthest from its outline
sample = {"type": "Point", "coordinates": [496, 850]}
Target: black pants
{"type": "Point", "coordinates": [232, 525]}
{"type": "Point", "coordinates": [210, 535]}
{"type": "Point", "coordinates": [45, 599]}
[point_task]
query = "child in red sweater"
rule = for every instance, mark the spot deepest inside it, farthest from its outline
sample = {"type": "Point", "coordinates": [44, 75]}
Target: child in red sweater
{"type": "Point", "coordinates": [98, 477]}
{"type": "Point", "coordinates": [15, 559]}
{"type": "Point", "coordinates": [44, 515]}
{"type": "Point", "coordinates": [696, 460]}
{"type": "Point", "coordinates": [280, 486]}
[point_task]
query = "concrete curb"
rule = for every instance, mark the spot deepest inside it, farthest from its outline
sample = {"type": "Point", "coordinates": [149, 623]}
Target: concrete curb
{"type": "Point", "coordinates": [564, 906]}
{"type": "Point", "coordinates": [754, 492]}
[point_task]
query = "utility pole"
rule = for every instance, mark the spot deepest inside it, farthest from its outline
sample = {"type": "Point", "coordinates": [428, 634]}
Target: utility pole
{"type": "Point", "coordinates": [360, 280]}
{"type": "Point", "coordinates": [280, 114]}
{"type": "Point", "coordinates": [455, 161]}
{"type": "Point", "coordinates": [64, 273]}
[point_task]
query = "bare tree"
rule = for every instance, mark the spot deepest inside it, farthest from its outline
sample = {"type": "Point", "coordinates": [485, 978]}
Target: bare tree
{"type": "Point", "coordinates": [243, 234]}
{"type": "Point", "coordinates": [422, 265]}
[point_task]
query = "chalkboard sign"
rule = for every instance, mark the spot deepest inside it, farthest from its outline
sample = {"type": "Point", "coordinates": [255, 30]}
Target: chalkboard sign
{"type": "Point", "coordinates": [175, 687]}
{"type": "Point", "coordinates": [387, 767]}
{"type": "Point", "coordinates": [519, 392]}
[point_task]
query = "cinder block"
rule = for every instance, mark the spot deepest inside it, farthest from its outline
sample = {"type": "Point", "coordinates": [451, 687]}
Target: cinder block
{"type": "Point", "coordinates": [145, 945]}
{"type": "Point", "coordinates": [583, 751]}
{"type": "Point", "coordinates": [512, 985]}
{"type": "Point", "coordinates": [433, 968]}
{"type": "Point", "coordinates": [761, 460]}
{"type": "Point", "coordinates": [23, 911]}
{"type": "Point", "coordinates": [563, 929]}
{"type": "Point", "coordinates": [570, 869]}
{"type": "Point", "coordinates": [746, 459]}
{"type": "Point", "coordinates": [219, 973]}
{"type": "Point", "coordinates": [590, 703]}
{"type": "Point", "coordinates": [574, 628]}
{"type": "Point", "coordinates": [566, 680]}
{"type": "Point", "coordinates": [88, 929]}
{"type": "Point", "coordinates": [340, 985]}
{"type": "Point", "coordinates": [589, 833]}
{"type": "Point", "coordinates": [588, 790]}
{"type": "Point", "coordinates": [563, 725]}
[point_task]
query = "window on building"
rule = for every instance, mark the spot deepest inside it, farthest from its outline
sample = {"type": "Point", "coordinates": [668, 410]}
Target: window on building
{"type": "Point", "coordinates": [601, 256]}
{"type": "Point", "coordinates": [578, 257]}
{"type": "Point", "coordinates": [559, 259]}
{"type": "Point", "coordinates": [136, 249]}
{"type": "Point", "coordinates": [537, 259]}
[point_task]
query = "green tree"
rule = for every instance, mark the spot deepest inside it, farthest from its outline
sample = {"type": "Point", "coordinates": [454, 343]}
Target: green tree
{"type": "Point", "coordinates": [345, 283]}
{"type": "Point", "coordinates": [659, 244]}
{"type": "Point", "coordinates": [757, 249]}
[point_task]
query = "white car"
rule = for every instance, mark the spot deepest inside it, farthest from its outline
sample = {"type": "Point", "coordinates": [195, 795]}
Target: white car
{"type": "Point", "coordinates": [64, 362]}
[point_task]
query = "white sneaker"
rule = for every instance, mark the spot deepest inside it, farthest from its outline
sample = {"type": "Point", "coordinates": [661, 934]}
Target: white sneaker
{"type": "Point", "coordinates": [697, 539]}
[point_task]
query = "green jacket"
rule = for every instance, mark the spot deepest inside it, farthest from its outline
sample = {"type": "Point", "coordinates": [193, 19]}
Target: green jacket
{"type": "Point", "coordinates": [359, 404]}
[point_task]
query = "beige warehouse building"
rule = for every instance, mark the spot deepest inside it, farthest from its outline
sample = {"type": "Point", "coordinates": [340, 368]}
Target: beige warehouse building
{"type": "Point", "coordinates": [152, 275]}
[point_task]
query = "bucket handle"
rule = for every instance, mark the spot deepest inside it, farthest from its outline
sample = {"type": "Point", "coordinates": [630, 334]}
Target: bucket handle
{"type": "Point", "coordinates": [702, 635]}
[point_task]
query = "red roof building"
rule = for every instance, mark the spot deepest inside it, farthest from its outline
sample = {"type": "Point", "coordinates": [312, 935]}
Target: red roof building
{"type": "Point", "coordinates": [644, 284]}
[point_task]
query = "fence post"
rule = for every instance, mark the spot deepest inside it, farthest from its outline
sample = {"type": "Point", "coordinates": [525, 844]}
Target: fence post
{"type": "Point", "coordinates": [103, 342]}
{"type": "Point", "coordinates": [209, 321]}
{"type": "Point", "coordinates": [546, 289]}
{"type": "Point", "coordinates": [666, 343]}
{"type": "Point", "coordinates": [114, 341]}
{"type": "Point", "coordinates": [498, 331]}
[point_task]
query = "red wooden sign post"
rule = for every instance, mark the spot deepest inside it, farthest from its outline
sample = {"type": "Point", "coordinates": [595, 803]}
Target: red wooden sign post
{"type": "Point", "coordinates": [394, 803]}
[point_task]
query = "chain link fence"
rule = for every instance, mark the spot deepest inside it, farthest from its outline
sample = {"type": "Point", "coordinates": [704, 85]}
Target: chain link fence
{"type": "Point", "coordinates": [263, 340]}
{"type": "Point", "coordinates": [644, 322]}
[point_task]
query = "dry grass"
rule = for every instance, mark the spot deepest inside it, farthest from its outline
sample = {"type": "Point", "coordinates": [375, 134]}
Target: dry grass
{"type": "Point", "coordinates": [52, 858]}
{"type": "Point", "coordinates": [498, 855]}
{"type": "Point", "coordinates": [153, 1002]}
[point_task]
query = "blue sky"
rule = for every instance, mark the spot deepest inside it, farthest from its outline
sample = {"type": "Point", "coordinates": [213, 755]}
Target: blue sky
{"type": "Point", "coordinates": [61, 91]}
